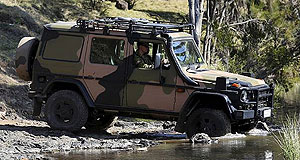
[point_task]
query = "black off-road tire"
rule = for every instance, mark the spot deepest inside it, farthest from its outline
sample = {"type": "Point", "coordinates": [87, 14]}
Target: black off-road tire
{"type": "Point", "coordinates": [210, 121]}
{"type": "Point", "coordinates": [66, 110]}
{"type": "Point", "coordinates": [101, 123]}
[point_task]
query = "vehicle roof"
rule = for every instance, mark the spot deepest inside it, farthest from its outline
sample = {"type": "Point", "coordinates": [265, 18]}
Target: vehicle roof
{"type": "Point", "coordinates": [74, 26]}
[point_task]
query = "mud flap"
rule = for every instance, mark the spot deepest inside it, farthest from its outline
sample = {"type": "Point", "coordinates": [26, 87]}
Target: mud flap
{"type": "Point", "coordinates": [37, 106]}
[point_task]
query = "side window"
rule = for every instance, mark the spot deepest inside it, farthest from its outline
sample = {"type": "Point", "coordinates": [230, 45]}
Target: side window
{"type": "Point", "coordinates": [64, 47]}
{"type": "Point", "coordinates": [107, 51]}
{"type": "Point", "coordinates": [149, 54]}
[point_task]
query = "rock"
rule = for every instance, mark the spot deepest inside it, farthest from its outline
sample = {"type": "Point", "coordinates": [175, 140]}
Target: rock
{"type": "Point", "coordinates": [169, 124]}
{"type": "Point", "coordinates": [120, 4]}
{"type": "Point", "coordinates": [142, 149]}
{"type": "Point", "coordinates": [201, 138]}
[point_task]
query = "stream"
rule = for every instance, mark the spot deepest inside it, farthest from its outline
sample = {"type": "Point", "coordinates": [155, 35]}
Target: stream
{"type": "Point", "coordinates": [249, 147]}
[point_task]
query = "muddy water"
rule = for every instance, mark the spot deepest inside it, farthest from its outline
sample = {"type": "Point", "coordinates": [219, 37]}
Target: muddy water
{"type": "Point", "coordinates": [249, 147]}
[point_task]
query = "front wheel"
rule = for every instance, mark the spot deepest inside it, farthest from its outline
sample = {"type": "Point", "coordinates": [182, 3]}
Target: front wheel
{"type": "Point", "coordinates": [210, 121]}
{"type": "Point", "coordinates": [66, 110]}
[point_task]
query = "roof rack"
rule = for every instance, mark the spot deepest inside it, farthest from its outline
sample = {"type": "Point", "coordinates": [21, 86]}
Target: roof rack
{"type": "Point", "coordinates": [132, 25]}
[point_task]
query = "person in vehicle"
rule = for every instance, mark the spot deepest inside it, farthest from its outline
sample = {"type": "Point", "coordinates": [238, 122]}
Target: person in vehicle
{"type": "Point", "coordinates": [141, 58]}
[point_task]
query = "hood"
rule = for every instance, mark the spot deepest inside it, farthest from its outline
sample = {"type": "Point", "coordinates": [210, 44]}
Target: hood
{"type": "Point", "coordinates": [211, 75]}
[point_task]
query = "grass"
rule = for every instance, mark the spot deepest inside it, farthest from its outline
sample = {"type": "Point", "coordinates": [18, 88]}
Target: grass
{"type": "Point", "coordinates": [165, 10]}
{"type": "Point", "coordinates": [288, 138]}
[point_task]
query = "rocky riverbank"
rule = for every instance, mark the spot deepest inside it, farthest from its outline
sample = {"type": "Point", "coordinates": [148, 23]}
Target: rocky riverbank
{"type": "Point", "coordinates": [33, 139]}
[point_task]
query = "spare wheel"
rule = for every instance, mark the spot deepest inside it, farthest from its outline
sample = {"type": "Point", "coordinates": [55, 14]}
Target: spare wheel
{"type": "Point", "coordinates": [25, 55]}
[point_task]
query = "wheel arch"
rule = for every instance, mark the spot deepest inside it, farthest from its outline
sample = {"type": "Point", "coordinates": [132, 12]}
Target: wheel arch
{"type": "Point", "coordinates": [69, 84]}
{"type": "Point", "coordinates": [200, 99]}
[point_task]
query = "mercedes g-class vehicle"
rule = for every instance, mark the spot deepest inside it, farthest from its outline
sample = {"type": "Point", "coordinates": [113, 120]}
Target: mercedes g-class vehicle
{"type": "Point", "coordinates": [85, 73]}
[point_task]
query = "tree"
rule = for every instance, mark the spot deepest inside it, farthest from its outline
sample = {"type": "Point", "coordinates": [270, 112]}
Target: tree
{"type": "Point", "coordinates": [258, 36]}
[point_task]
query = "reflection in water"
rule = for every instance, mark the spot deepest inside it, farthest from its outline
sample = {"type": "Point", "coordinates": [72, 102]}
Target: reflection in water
{"type": "Point", "coordinates": [251, 147]}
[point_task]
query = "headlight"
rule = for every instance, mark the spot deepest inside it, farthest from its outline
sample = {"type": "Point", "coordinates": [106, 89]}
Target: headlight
{"type": "Point", "coordinates": [244, 96]}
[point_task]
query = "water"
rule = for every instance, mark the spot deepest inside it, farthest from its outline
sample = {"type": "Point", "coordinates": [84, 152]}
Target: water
{"type": "Point", "coordinates": [250, 147]}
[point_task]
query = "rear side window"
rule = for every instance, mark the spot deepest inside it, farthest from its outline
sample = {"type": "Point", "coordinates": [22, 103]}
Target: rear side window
{"type": "Point", "coordinates": [64, 47]}
{"type": "Point", "coordinates": [107, 51]}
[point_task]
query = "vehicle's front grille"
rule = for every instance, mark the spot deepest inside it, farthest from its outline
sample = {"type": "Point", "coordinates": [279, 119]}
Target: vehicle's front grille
{"type": "Point", "coordinates": [264, 97]}
{"type": "Point", "coordinates": [261, 96]}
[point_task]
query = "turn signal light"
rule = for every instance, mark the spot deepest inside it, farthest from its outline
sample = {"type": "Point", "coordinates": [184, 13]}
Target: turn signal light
{"type": "Point", "coordinates": [235, 85]}
{"type": "Point", "coordinates": [180, 90]}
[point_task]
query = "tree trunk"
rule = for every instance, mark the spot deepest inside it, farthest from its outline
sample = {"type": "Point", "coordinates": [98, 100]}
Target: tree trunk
{"type": "Point", "coordinates": [207, 34]}
{"type": "Point", "coordinates": [270, 5]}
{"type": "Point", "coordinates": [197, 15]}
{"type": "Point", "coordinates": [192, 11]}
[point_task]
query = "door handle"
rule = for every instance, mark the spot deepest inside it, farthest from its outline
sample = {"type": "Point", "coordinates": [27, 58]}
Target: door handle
{"type": "Point", "coordinates": [133, 81]}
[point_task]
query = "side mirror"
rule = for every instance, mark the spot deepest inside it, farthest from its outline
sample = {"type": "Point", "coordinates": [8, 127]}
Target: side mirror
{"type": "Point", "coordinates": [166, 64]}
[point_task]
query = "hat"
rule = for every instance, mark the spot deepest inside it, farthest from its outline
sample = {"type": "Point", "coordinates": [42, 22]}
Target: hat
{"type": "Point", "coordinates": [143, 44]}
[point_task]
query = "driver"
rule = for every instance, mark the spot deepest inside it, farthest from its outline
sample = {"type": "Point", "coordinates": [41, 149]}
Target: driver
{"type": "Point", "coordinates": [141, 58]}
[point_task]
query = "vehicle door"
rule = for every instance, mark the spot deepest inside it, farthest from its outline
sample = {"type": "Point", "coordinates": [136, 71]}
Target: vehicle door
{"type": "Point", "coordinates": [104, 69]}
{"type": "Point", "coordinates": [151, 87]}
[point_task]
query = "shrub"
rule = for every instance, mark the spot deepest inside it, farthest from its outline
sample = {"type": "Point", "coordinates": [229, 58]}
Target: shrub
{"type": "Point", "coordinates": [288, 138]}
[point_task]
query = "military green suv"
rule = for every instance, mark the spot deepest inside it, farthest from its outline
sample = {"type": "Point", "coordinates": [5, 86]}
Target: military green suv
{"type": "Point", "coordinates": [87, 72]}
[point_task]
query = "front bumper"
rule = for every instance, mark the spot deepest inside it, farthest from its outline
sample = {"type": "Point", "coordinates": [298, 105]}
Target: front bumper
{"type": "Point", "coordinates": [262, 113]}
{"type": "Point", "coordinates": [259, 106]}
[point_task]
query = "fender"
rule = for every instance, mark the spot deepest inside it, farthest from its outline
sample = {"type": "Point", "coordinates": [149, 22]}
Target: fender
{"type": "Point", "coordinates": [192, 103]}
{"type": "Point", "coordinates": [71, 81]}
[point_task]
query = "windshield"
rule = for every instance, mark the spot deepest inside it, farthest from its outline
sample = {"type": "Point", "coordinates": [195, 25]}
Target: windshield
{"type": "Point", "coordinates": [187, 53]}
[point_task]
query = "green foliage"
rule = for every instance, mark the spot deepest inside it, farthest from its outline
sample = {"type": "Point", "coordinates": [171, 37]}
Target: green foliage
{"type": "Point", "coordinates": [269, 46]}
{"type": "Point", "coordinates": [92, 4]}
{"type": "Point", "coordinates": [288, 138]}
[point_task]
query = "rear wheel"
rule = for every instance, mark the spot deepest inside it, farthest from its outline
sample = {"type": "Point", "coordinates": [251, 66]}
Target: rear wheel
{"type": "Point", "coordinates": [66, 110]}
{"type": "Point", "coordinates": [99, 121]}
{"type": "Point", "coordinates": [210, 121]}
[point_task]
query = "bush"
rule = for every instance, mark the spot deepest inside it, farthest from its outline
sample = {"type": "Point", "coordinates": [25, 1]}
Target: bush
{"type": "Point", "coordinates": [92, 4]}
{"type": "Point", "coordinates": [288, 138]}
